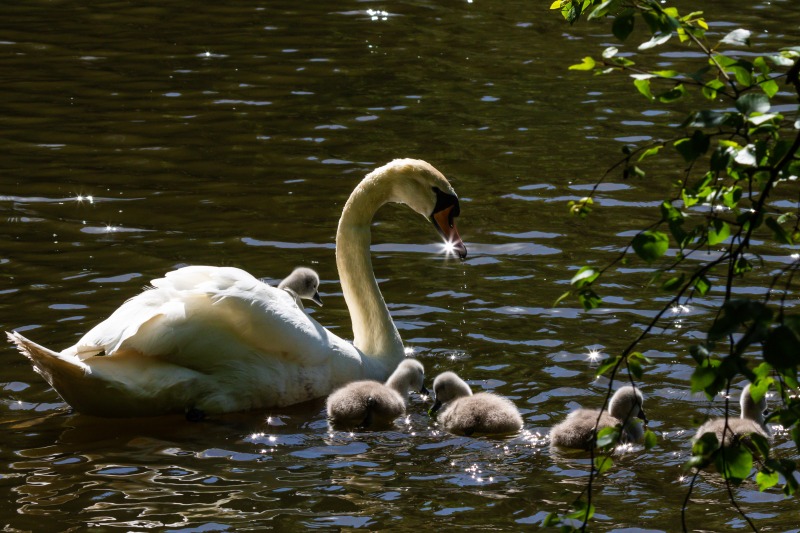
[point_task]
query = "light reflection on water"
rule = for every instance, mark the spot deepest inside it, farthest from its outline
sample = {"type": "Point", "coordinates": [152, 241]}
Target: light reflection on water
{"type": "Point", "coordinates": [229, 135]}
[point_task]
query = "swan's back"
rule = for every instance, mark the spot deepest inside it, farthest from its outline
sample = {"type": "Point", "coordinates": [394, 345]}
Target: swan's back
{"type": "Point", "coordinates": [482, 413]}
{"type": "Point", "coordinates": [577, 430]}
{"type": "Point", "coordinates": [364, 403]}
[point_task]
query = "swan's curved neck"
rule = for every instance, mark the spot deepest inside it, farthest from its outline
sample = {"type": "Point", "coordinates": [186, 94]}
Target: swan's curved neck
{"type": "Point", "coordinates": [374, 332]}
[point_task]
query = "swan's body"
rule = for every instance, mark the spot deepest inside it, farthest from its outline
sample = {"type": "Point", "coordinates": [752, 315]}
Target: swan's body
{"type": "Point", "coordinates": [302, 284]}
{"type": "Point", "coordinates": [578, 429]}
{"type": "Point", "coordinates": [465, 413]}
{"type": "Point", "coordinates": [216, 339]}
{"type": "Point", "coordinates": [371, 404]}
{"type": "Point", "coordinates": [751, 421]}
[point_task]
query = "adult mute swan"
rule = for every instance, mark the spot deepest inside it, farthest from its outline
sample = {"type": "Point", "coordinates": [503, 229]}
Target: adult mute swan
{"type": "Point", "coordinates": [465, 413]}
{"type": "Point", "coordinates": [578, 430]}
{"type": "Point", "coordinates": [372, 404]}
{"type": "Point", "coordinates": [216, 339]}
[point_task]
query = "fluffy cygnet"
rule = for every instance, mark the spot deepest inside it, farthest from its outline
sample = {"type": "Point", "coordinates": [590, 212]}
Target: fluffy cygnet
{"type": "Point", "coordinates": [302, 283]}
{"type": "Point", "coordinates": [577, 430]}
{"type": "Point", "coordinates": [371, 404]}
{"type": "Point", "coordinates": [467, 414]}
{"type": "Point", "coordinates": [751, 421]}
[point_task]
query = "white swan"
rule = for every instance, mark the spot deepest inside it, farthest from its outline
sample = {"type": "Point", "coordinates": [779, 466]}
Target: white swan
{"type": "Point", "coordinates": [751, 421]}
{"type": "Point", "coordinates": [577, 430]}
{"type": "Point", "coordinates": [372, 404]}
{"type": "Point", "coordinates": [465, 413]}
{"type": "Point", "coordinates": [216, 339]}
{"type": "Point", "coordinates": [302, 283]}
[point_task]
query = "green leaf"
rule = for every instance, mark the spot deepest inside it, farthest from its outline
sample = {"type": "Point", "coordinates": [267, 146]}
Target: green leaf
{"type": "Point", "coordinates": [585, 276]}
{"type": "Point", "coordinates": [737, 37]}
{"type": "Point", "coordinates": [702, 378]}
{"type": "Point", "coordinates": [602, 464]}
{"type": "Point", "coordinates": [782, 348]}
{"type": "Point", "coordinates": [601, 10]}
{"type": "Point", "coordinates": [607, 436]}
{"type": "Point", "coordinates": [766, 479]}
{"type": "Point", "coordinates": [665, 73]}
{"type": "Point", "coordinates": [692, 147]}
{"type": "Point", "coordinates": [582, 511]}
{"type": "Point", "coordinates": [676, 93]}
{"type": "Point", "coordinates": [635, 368]}
{"type": "Point", "coordinates": [673, 283]}
{"type": "Point", "coordinates": [753, 103]}
{"type": "Point", "coordinates": [711, 89]}
{"type": "Point", "coordinates": [705, 445]}
{"type": "Point", "coordinates": [770, 87]}
{"type": "Point", "coordinates": [734, 462]}
{"type": "Point", "coordinates": [650, 245]}
{"type": "Point", "coordinates": [780, 234]}
{"type": "Point", "coordinates": [702, 285]}
{"type": "Point", "coordinates": [589, 299]}
{"type": "Point", "coordinates": [623, 25]}
{"type": "Point", "coordinates": [759, 445]}
{"type": "Point", "coordinates": [607, 365]}
{"type": "Point", "coordinates": [718, 231]}
{"type": "Point", "coordinates": [587, 64]}
{"type": "Point", "coordinates": [651, 151]}
{"type": "Point", "coordinates": [643, 85]}
{"type": "Point", "coordinates": [650, 440]}
{"type": "Point", "coordinates": [656, 40]}
{"type": "Point", "coordinates": [734, 314]}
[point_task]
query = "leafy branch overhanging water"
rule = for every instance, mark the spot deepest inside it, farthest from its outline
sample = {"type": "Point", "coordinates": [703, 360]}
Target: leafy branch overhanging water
{"type": "Point", "coordinates": [742, 161]}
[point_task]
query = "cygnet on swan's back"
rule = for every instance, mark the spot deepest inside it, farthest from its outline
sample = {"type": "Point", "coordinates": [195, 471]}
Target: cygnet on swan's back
{"type": "Point", "coordinates": [577, 430]}
{"type": "Point", "coordinates": [465, 413]}
{"type": "Point", "coordinates": [751, 421]}
{"type": "Point", "coordinates": [371, 404]}
{"type": "Point", "coordinates": [302, 283]}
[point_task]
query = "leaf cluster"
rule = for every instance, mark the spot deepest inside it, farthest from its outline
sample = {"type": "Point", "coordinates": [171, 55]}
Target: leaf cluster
{"type": "Point", "coordinates": [740, 149]}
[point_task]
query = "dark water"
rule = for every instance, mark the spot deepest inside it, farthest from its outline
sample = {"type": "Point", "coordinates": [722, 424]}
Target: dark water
{"type": "Point", "coordinates": [140, 137]}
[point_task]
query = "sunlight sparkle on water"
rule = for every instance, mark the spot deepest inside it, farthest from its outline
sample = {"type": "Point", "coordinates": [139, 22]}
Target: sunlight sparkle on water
{"type": "Point", "coordinates": [593, 356]}
{"type": "Point", "coordinates": [409, 351]}
{"type": "Point", "coordinates": [81, 198]}
{"type": "Point", "coordinates": [449, 248]}
{"type": "Point", "coordinates": [377, 14]}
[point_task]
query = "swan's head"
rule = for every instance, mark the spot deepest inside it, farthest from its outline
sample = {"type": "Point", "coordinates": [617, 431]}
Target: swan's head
{"type": "Point", "coordinates": [446, 387]}
{"type": "Point", "coordinates": [626, 404]}
{"type": "Point", "coordinates": [752, 409]}
{"type": "Point", "coordinates": [409, 375]}
{"type": "Point", "coordinates": [425, 190]}
{"type": "Point", "coordinates": [304, 282]}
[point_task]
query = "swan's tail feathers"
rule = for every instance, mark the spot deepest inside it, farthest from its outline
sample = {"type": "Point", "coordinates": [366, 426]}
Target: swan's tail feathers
{"type": "Point", "coordinates": [53, 366]}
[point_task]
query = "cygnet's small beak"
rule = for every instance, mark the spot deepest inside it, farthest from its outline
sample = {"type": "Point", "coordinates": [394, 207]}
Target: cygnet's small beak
{"type": "Point", "coordinates": [642, 416]}
{"type": "Point", "coordinates": [436, 406]}
{"type": "Point", "coordinates": [446, 225]}
{"type": "Point", "coordinates": [424, 391]}
{"type": "Point", "coordinates": [316, 299]}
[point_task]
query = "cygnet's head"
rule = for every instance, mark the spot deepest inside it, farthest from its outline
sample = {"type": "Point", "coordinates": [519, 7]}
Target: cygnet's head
{"type": "Point", "coordinates": [446, 387]}
{"type": "Point", "coordinates": [627, 404]}
{"type": "Point", "coordinates": [409, 375]}
{"type": "Point", "coordinates": [304, 282]}
{"type": "Point", "coordinates": [752, 409]}
{"type": "Point", "coordinates": [419, 185]}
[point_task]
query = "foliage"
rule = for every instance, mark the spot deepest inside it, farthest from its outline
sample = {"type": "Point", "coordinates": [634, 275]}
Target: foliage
{"type": "Point", "coordinates": [741, 151]}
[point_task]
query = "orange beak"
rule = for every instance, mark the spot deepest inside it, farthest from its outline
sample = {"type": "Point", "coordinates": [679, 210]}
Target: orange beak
{"type": "Point", "coordinates": [445, 223]}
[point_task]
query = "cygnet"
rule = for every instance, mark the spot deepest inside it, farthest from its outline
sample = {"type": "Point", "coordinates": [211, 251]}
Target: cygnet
{"type": "Point", "coordinates": [578, 429]}
{"type": "Point", "coordinates": [372, 404]}
{"type": "Point", "coordinates": [465, 413]}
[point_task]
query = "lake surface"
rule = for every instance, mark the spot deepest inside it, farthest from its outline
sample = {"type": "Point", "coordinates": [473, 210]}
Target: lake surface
{"type": "Point", "coordinates": [141, 137]}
